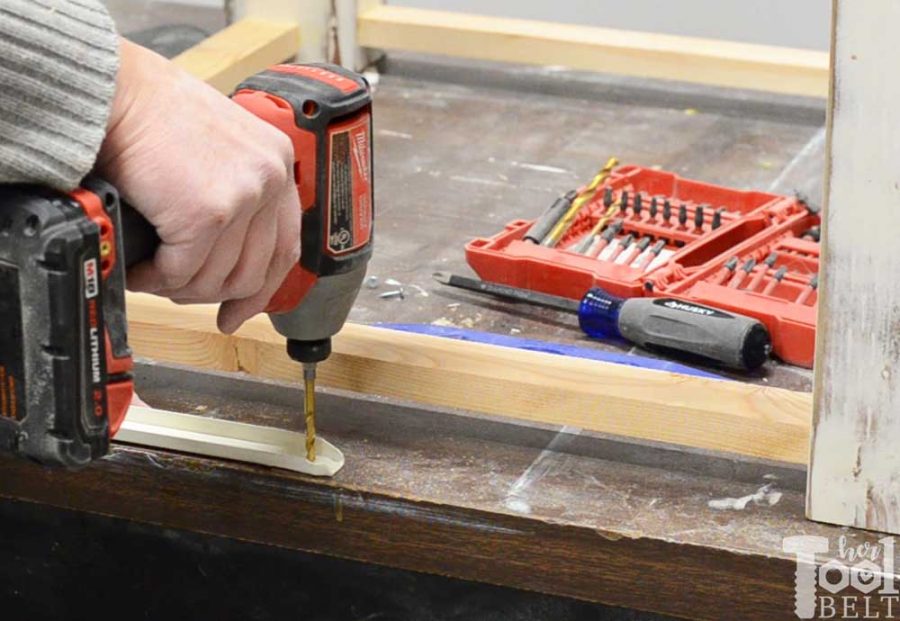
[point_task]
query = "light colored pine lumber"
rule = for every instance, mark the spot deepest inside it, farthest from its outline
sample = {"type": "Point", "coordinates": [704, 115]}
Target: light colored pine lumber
{"type": "Point", "coordinates": [649, 55]}
{"type": "Point", "coordinates": [213, 437]}
{"type": "Point", "coordinates": [312, 17]}
{"type": "Point", "coordinates": [240, 50]}
{"type": "Point", "coordinates": [694, 412]}
{"type": "Point", "coordinates": [854, 475]}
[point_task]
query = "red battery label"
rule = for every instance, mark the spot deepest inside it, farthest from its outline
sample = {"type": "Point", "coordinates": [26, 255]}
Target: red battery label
{"type": "Point", "coordinates": [349, 219]}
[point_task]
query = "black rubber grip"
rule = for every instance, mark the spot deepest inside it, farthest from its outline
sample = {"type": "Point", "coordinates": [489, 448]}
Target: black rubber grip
{"type": "Point", "coordinates": [139, 237]}
{"type": "Point", "coordinates": [667, 324]}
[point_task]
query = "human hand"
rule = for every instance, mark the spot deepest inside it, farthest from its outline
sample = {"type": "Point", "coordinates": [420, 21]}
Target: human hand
{"type": "Point", "coordinates": [215, 180]}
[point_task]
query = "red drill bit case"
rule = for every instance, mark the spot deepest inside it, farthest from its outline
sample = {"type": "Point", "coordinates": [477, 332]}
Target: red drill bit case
{"type": "Point", "coordinates": [752, 226]}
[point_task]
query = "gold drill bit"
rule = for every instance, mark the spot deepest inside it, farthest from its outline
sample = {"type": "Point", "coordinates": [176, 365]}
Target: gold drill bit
{"type": "Point", "coordinates": [558, 231]}
{"type": "Point", "coordinates": [309, 408]}
{"type": "Point", "coordinates": [601, 224]}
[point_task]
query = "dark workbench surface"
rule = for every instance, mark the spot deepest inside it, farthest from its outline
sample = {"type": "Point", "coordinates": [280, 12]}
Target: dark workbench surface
{"type": "Point", "coordinates": [458, 161]}
{"type": "Point", "coordinates": [538, 508]}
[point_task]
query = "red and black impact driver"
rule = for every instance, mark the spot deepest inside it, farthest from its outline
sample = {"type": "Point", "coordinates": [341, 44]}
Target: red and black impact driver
{"type": "Point", "coordinates": [65, 364]}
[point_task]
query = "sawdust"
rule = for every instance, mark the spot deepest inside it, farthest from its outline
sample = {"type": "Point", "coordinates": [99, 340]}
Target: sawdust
{"type": "Point", "coordinates": [765, 495]}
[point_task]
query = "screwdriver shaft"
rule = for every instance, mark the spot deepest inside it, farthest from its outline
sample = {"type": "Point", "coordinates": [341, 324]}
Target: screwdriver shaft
{"type": "Point", "coordinates": [515, 293]}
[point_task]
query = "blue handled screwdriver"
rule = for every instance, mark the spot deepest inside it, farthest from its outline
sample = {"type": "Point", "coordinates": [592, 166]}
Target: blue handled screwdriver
{"type": "Point", "coordinates": [665, 324]}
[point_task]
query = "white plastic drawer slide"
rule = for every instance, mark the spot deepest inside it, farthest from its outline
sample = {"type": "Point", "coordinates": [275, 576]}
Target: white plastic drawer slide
{"type": "Point", "coordinates": [211, 437]}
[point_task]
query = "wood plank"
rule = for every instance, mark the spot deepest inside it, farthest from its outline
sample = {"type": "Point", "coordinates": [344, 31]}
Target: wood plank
{"type": "Point", "coordinates": [649, 55]}
{"type": "Point", "coordinates": [240, 50]}
{"type": "Point", "coordinates": [854, 477]}
{"type": "Point", "coordinates": [701, 413]}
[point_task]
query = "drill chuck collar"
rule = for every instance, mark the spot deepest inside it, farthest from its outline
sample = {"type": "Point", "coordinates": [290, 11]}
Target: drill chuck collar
{"type": "Point", "coordinates": [309, 351]}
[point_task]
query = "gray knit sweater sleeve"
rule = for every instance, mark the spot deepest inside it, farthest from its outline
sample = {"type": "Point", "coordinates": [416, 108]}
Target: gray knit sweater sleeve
{"type": "Point", "coordinates": [58, 62]}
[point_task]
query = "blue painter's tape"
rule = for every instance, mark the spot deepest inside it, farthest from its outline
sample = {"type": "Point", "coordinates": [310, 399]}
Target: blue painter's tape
{"type": "Point", "coordinates": [547, 347]}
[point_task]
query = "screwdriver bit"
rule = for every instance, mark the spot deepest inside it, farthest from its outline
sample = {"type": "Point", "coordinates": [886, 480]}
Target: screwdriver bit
{"type": "Point", "coordinates": [729, 268]}
{"type": "Point", "coordinates": [607, 197]}
{"type": "Point", "coordinates": [623, 244]}
{"type": "Point", "coordinates": [814, 233]}
{"type": "Point", "coordinates": [739, 276]}
{"type": "Point", "coordinates": [808, 290]}
{"type": "Point", "coordinates": [717, 218]}
{"type": "Point", "coordinates": [775, 280]}
{"type": "Point", "coordinates": [654, 252]}
{"type": "Point", "coordinates": [763, 270]}
{"type": "Point", "coordinates": [636, 250]}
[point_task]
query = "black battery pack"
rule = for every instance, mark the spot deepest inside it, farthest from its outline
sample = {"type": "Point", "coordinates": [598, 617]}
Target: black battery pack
{"type": "Point", "coordinates": [61, 322]}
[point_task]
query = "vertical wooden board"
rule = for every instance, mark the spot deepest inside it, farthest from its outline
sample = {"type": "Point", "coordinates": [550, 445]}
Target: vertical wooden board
{"type": "Point", "coordinates": [318, 20]}
{"type": "Point", "coordinates": [854, 475]}
{"type": "Point", "coordinates": [312, 16]}
{"type": "Point", "coordinates": [352, 55]}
